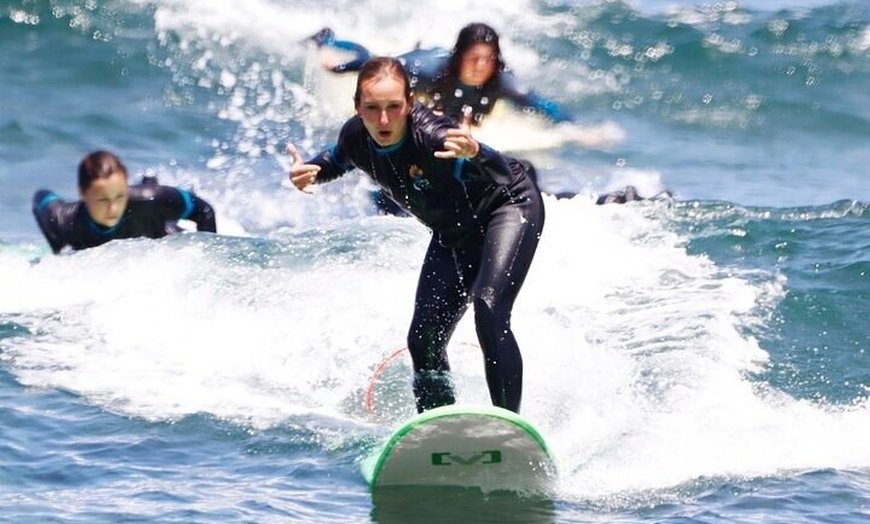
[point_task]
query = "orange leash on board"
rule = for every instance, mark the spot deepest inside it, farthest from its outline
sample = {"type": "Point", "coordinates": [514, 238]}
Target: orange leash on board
{"type": "Point", "coordinates": [370, 390]}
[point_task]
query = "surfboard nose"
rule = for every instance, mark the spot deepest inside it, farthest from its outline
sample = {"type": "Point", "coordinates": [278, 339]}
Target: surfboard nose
{"type": "Point", "coordinates": [483, 447]}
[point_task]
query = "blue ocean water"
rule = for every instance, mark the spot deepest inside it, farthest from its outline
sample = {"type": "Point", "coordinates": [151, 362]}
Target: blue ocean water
{"type": "Point", "coordinates": [694, 360]}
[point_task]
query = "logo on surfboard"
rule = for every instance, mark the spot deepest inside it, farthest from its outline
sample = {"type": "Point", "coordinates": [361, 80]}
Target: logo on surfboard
{"type": "Point", "coordinates": [466, 459]}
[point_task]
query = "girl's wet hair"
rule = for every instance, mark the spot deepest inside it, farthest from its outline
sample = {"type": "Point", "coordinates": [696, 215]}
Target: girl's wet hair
{"type": "Point", "coordinates": [99, 164]}
{"type": "Point", "coordinates": [475, 33]}
{"type": "Point", "coordinates": [381, 67]}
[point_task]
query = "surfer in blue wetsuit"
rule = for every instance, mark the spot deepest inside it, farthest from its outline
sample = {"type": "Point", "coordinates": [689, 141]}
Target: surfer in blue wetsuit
{"type": "Point", "coordinates": [110, 209]}
{"type": "Point", "coordinates": [484, 209]}
{"type": "Point", "coordinates": [472, 75]}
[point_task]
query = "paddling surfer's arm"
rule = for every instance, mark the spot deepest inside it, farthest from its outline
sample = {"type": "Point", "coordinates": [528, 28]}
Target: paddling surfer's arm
{"type": "Point", "coordinates": [529, 99]}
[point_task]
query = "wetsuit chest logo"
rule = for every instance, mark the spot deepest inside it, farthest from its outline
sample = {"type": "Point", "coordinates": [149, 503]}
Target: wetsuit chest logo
{"type": "Point", "coordinates": [418, 178]}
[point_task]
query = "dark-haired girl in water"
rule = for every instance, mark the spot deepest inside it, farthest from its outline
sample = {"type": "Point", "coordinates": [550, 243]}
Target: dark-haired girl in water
{"type": "Point", "coordinates": [484, 210]}
{"type": "Point", "coordinates": [473, 74]}
{"type": "Point", "coordinates": [111, 209]}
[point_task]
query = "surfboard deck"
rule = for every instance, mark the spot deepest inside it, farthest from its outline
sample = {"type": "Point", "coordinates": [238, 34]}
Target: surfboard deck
{"type": "Point", "coordinates": [482, 447]}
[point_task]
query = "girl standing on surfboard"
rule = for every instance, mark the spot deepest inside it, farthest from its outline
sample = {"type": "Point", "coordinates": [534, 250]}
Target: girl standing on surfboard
{"type": "Point", "coordinates": [484, 209]}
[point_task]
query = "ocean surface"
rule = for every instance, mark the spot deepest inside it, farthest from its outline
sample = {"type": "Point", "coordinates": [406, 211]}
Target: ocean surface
{"type": "Point", "coordinates": [694, 360]}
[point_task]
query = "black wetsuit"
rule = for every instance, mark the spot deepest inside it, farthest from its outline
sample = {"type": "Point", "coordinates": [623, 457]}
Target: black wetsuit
{"type": "Point", "coordinates": [450, 96]}
{"type": "Point", "coordinates": [152, 211]}
{"type": "Point", "coordinates": [486, 215]}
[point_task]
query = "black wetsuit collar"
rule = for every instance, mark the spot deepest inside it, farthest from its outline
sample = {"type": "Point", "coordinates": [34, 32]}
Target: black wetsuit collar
{"type": "Point", "coordinates": [462, 85]}
{"type": "Point", "coordinates": [99, 228]}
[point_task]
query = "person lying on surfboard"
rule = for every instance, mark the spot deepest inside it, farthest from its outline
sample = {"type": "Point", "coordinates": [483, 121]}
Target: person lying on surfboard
{"type": "Point", "coordinates": [629, 194]}
{"type": "Point", "coordinates": [472, 75]}
{"type": "Point", "coordinates": [620, 196]}
{"type": "Point", "coordinates": [483, 208]}
{"type": "Point", "coordinates": [111, 209]}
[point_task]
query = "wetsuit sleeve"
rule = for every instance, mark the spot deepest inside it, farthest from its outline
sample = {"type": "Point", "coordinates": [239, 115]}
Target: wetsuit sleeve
{"type": "Point", "coordinates": [199, 211]}
{"type": "Point", "coordinates": [46, 207]}
{"type": "Point", "coordinates": [335, 162]}
{"type": "Point", "coordinates": [174, 203]}
{"type": "Point", "coordinates": [354, 64]}
{"type": "Point", "coordinates": [488, 164]}
{"type": "Point", "coordinates": [184, 205]}
{"type": "Point", "coordinates": [528, 98]}
{"type": "Point", "coordinates": [492, 164]}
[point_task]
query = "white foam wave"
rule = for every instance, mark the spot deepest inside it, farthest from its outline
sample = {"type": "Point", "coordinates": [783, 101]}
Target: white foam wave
{"type": "Point", "coordinates": [637, 371]}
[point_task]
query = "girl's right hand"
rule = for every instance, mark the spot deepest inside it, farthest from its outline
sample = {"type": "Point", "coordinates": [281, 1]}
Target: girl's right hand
{"type": "Point", "coordinates": [301, 174]}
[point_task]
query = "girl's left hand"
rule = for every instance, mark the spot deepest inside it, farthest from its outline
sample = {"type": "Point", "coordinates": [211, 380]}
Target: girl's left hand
{"type": "Point", "coordinates": [459, 142]}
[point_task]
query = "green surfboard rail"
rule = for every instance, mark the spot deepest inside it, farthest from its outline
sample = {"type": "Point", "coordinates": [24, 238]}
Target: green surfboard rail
{"type": "Point", "coordinates": [371, 466]}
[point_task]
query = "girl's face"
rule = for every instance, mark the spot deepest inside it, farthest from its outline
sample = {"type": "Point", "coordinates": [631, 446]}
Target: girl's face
{"type": "Point", "coordinates": [384, 107]}
{"type": "Point", "coordinates": [107, 199]}
{"type": "Point", "coordinates": [478, 65]}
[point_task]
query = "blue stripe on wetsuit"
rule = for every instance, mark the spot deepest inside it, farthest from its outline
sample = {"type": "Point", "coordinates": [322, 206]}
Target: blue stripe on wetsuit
{"type": "Point", "coordinates": [344, 168]}
{"type": "Point", "coordinates": [457, 170]}
{"type": "Point", "coordinates": [101, 229]}
{"type": "Point", "coordinates": [47, 199]}
{"type": "Point", "coordinates": [188, 203]}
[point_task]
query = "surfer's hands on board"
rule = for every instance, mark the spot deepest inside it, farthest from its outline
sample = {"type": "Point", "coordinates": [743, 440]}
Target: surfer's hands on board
{"type": "Point", "coordinates": [301, 174]}
{"type": "Point", "coordinates": [459, 142]}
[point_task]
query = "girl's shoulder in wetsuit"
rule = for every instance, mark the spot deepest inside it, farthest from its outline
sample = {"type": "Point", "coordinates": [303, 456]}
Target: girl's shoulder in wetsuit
{"type": "Point", "coordinates": [56, 218]}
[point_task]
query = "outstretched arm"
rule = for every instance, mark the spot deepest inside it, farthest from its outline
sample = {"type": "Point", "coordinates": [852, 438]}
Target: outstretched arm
{"type": "Point", "coordinates": [301, 174]}
{"type": "Point", "coordinates": [333, 53]}
{"type": "Point", "coordinates": [527, 98]}
{"type": "Point", "coordinates": [458, 142]}
{"type": "Point", "coordinates": [360, 55]}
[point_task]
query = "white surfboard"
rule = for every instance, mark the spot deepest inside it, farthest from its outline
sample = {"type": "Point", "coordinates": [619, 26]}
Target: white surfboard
{"type": "Point", "coordinates": [482, 447]}
{"type": "Point", "coordinates": [333, 91]}
{"type": "Point", "coordinates": [511, 130]}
